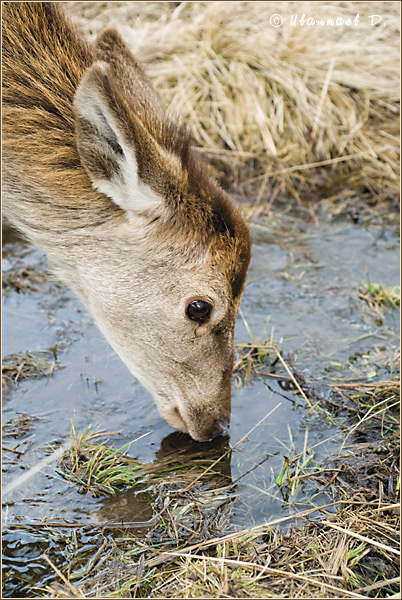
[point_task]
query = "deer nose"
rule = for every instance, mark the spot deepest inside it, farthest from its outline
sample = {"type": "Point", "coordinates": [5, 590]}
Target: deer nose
{"type": "Point", "coordinates": [220, 426]}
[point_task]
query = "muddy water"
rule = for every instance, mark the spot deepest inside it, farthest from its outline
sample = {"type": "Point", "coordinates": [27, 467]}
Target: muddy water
{"type": "Point", "coordinates": [302, 281]}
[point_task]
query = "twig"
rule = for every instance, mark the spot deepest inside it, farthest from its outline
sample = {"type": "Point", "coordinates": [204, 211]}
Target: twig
{"type": "Point", "coordinates": [374, 384]}
{"type": "Point", "coordinates": [102, 525]}
{"type": "Point", "coordinates": [60, 574]}
{"type": "Point", "coordinates": [293, 378]}
{"type": "Point", "coordinates": [364, 418]}
{"type": "Point", "coordinates": [380, 584]}
{"type": "Point", "coordinates": [19, 452]}
{"type": "Point", "coordinates": [282, 377]}
{"type": "Point", "coordinates": [314, 165]}
{"type": "Point", "coordinates": [322, 98]}
{"type": "Point", "coordinates": [269, 347]}
{"type": "Point", "coordinates": [389, 507]}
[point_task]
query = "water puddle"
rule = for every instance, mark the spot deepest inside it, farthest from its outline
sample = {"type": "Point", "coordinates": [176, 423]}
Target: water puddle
{"type": "Point", "coordinates": [302, 282]}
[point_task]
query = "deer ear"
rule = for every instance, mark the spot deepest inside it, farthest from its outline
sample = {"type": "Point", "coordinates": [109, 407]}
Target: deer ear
{"type": "Point", "coordinates": [111, 49]}
{"type": "Point", "coordinates": [105, 144]}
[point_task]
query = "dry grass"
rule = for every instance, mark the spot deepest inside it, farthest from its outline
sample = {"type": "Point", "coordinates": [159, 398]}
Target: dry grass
{"type": "Point", "coordinates": [183, 552]}
{"type": "Point", "coordinates": [186, 554]}
{"type": "Point", "coordinates": [252, 357]}
{"type": "Point", "coordinates": [351, 555]}
{"type": "Point", "coordinates": [19, 426]}
{"type": "Point", "coordinates": [293, 108]}
{"type": "Point", "coordinates": [22, 280]}
{"type": "Point", "coordinates": [29, 364]}
{"type": "Point", "coordinates": [368, 388]}
{"type": "Point", "coordinates": [317, 561]}
{"type": "Point", "coordinates": [379, 297]}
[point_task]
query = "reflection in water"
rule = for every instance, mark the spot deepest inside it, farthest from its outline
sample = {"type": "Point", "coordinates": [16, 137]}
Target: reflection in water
{"type": "Point", "coordinates": [134, 508]}
{"type": "Point", "coordinates": [129, 509]}
{"type": "Point", "coordinates": [180, 447]}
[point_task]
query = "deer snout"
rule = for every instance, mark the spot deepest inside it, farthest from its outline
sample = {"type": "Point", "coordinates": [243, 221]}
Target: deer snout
{"type": "Point", "coordinates": [209, 429]}
{"type": "Point", "coordinates": [203, 416]}
{"type": "Point", "coordinates": [201, 425]}
{"type": "Point", "coordinates": [220, 427]}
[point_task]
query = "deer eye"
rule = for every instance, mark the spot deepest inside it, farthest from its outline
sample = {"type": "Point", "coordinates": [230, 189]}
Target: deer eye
{"type": "Point", "coordinates": [199, 310]}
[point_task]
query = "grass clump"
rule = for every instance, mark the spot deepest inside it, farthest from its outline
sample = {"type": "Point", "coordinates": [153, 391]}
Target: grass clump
{"type": "Point", "coordinates": [97, 468]}
{"type": "Point", "coordinates": [29, 364]}
{"type": "Point", "coordinates": [23, 280]}
{"type": "Point", "coordinates": [368, 394]}
{"type": "Point", "coordinates": [18, 426]}
{"type": "Point", "coordinates": [382, 295]}
{"type": "Point", "coordinates": [251, 357]}
{"type": "Point", "coordinates": [188, 550]}
{"type": "Point", "coordinates": [373, 407]}
{"type": "Point", "coordinates": [378, 297]}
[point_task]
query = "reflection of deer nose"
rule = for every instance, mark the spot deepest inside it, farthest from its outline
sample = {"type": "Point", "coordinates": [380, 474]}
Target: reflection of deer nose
{"type": "Point", "coordinates": [220, 426]}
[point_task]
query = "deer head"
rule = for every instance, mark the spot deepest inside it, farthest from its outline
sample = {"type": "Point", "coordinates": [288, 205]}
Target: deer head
{"type": "Point", "coordinates": [168, 301]}
{"type": "Point", "coordinates": [117, 198]}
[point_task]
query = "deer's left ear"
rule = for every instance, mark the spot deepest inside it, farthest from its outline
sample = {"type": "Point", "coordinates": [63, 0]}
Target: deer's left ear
{"type": "Point", "coordinates": [109, 140]}
{"type": "Point", "coordinates": [111, 49]}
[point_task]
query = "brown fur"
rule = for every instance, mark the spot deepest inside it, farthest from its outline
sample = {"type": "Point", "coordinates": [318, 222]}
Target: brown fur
{"type": "Point", "coordinates": [73, 172]}
{"type": "Point", "coordinates": [41, 72]}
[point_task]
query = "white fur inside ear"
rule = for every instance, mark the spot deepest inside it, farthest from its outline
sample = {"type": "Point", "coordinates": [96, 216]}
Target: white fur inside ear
{"type": "Point", "coordinates": [127, 190]}
{"type": "Point", "coordinates": [107, 156]}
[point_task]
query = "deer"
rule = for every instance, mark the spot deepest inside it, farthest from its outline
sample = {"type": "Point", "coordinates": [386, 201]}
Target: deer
{"type": "Point", "coordinates": [127, 213]}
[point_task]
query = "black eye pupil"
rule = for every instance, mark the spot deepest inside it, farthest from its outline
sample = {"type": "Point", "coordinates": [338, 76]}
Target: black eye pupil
{"type": "Point", "coordinates": [199, 310]}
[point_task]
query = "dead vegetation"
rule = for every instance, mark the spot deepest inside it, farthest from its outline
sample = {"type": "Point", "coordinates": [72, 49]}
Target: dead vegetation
{"type": "Point", "coordinates": [287, 109]}
{"type": "Point", "coordinates": [23, 279]}
{"type": "Point", "coordinates": [353, 554]}
{"type": "Point", "coordinates": [321, 560]}
{"type": "Point", "coordinates": [347, 547]}
{"type": "Point", "coordinates": [16, 367]}
{"type": "Point", "coordinates": [378, 298]}
{"type": "Point", "coordinates": [367, 393]}
{"type": "Point", "coordinates": [375, 405]}
{"type": "Point", "coordinates": [16, 428]}
{"type": "Point", "coordinates": [19, 426]}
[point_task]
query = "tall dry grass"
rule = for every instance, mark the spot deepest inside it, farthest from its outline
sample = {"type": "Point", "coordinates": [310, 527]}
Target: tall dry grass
{"type": "Point", "coordinates": [292, 108]}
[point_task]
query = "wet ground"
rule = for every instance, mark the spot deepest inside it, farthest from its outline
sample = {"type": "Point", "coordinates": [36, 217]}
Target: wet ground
{"type": "Point", "coordinates": [303, 283]}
